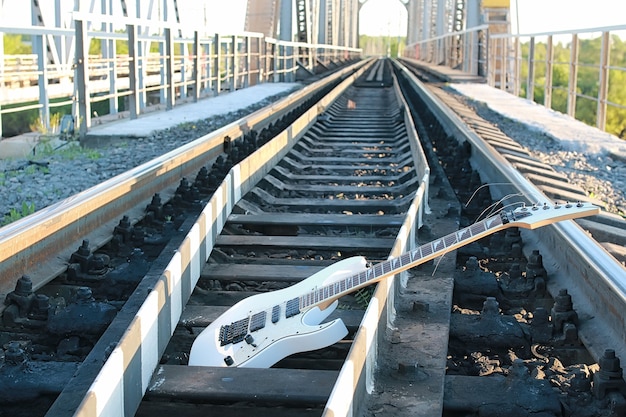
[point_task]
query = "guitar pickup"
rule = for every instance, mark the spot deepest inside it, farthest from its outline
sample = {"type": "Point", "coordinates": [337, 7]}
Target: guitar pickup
{"type": "Point", "coordinates": [275, 313]}
{"type": "Point", "coordinates": [292, 307]}
{"type": "Point", "coordinates": [257, 321]}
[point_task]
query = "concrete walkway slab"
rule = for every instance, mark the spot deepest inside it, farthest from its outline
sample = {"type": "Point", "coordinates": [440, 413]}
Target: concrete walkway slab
{"type": "Point", "coordinates": [155, 118]}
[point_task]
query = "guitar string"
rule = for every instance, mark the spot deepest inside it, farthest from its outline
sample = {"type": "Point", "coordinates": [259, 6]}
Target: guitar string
{"type": "Point", "coordinates": [443, 239]}
{"type": "Point", "coordinates": [491, 209]}
{"type": "Point", "coordinates": [481, 187]}
{"type": "Point", "coordinates": [477, 221]}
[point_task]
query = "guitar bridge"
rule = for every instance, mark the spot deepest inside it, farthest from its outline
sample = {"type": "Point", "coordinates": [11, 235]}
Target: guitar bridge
{"type": "Point", "coordinates": [234, 332]}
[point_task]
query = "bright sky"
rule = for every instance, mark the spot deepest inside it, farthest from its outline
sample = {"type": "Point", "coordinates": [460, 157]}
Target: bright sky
{"type": "Point", "coordinates": [554, 15]}
{"type": "Point", "coordinates": [379, 17]}
{"type": "Point", "coordinates": [384, 17]}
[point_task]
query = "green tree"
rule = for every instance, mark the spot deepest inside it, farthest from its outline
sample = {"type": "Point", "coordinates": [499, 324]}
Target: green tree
{"type": "Point", "coordinates": [587, 83]}
{"type": "Point", "coordinates": [15, 44]}
{"type": "Point", "coordinates": [381, 45]}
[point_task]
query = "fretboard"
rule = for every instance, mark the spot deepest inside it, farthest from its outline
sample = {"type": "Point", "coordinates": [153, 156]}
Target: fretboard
{"type": "Point", "coordinates": [408, 260]}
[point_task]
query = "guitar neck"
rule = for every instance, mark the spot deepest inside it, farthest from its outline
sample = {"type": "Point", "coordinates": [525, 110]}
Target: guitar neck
{"type": "Point", "coordinates": [406, 261]}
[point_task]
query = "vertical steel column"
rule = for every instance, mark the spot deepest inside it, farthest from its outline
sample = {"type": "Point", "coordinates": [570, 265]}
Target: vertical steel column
{"type": "Point", "coordinates": [142, 55]}
{"type": "Point", "coordinates": [276, 57]}
{"type": "Point", "coordinates": [504, 62]}
{"type": "Point", "coordinates": [261, 59]}
{"type": "Point", "coordinates": [169, 69]}
{"type": "Point", "coordinates": [426, 23]}
{"type": "Point", "coordinates": [573, 76]}
{"type": "Point", "coordinates": [234, 63]}
{"type": "Point", "coordinates": [603, 89]}
{"type": "Point", "coordinates": [441, 29]}
{"type": "Point", "coordinates": [547, 98]}
{"type": "Point", "coordinates": [322, 27]}
{"type": "Point", "coordinates": [491, 66]}
{"type": "Point", "coordinates": [286, 34]}
{"type": "Point", "coordinates": [207, 66]}
{"type": "Point", "coordinates": [133, 71]}
{"type": "Point", "coordinates": [217, 47]}
{"type": "Point", "coordinates": [84, 106]}
{"type": "Point", "coordinates": [248, 61]}
{"type": "Point", "coordinates": [530, 82]}
{"type": "Point", "coordinates": [44, 55]}
{"type": "Point", "coordinates": [109, 48]}
{"type": "Point", "coordinates": [196, 66]}
{"type": "Point", "coordinates": [42, 79]}
{"type": "Point", "coordinates": [473, 18]}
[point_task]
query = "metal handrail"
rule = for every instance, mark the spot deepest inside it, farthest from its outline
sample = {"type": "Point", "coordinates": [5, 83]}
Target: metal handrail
{"type": "Point", "coordinates": [197, 66]}
{"type": "Point", "coordinates": [506, 68]}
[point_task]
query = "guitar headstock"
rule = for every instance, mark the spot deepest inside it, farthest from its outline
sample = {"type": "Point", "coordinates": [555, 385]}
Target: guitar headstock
{"type": "Point", "coordinates": [537, 215]}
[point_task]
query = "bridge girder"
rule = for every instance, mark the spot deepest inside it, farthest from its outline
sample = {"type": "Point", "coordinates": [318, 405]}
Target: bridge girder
{"type": "Point", "coordinates": [333, 22]}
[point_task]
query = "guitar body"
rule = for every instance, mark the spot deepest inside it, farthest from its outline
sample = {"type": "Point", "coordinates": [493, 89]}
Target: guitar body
{"type": "Point", "coordinates": [258, 331]}
{"type": "Point", "coordinates": [263, 329]}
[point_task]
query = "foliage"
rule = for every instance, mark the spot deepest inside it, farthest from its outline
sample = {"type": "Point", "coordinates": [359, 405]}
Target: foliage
{"type": "Point", "coordinates": [15, 44]}
{"type": "Point", "coordinates": [15, 214]}
{"type": "Point", "coordinates": [68, 151]}
{"type": "Point", "coordinates": [364, 295]}
{"type": "Point", "coordinates": [587, 80]}
{"type": "Point", "coordinates": [121, 46]}
{"type": "Point", "coordinates": [381, 45]}
{"type": "Point", "coordinates": [40, 126]}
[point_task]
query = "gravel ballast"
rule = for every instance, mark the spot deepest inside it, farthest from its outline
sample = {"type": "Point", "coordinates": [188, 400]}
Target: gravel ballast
{"type": "Point", "coordinates": [52, 175]}
{"type": "Point", "coordinates": [62, 169]}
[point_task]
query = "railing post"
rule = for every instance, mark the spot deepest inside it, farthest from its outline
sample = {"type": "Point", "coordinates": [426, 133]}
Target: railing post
{"type": "Point", "coordinates": [276, 60]}
{"type": "Point", "coordinates": [573, 77]}
{"type": "Point", "coordinates": [109, 53]}
{"type": "Point", "coordinates": [603, 81]}
{"type": "Point", "coordinates": [169, 69]}
{"type": "Point", "coordinates": [207, 66]}
{"type": "Point", "coordinates": [133, 71]}
{"type": "Point", "coordinates": [84, 105]}
{"type": "Point", "coordinates": [183, 68]}
{"type": "Point", "coordinates": [261, 59]}
{"type": "Point", "coordinates": [491, 62]}
{"type": "Point", "coordinates": [547, 97]}
{"type": "Point", "coordinates": [516, 70]}
{"type": "Point", "coordinates": [233, 64]}
{"type": "Point", "coordinates": [248, 62]}
{"type": "Point", "coordinates": [196, 66]}
{"type": "Point", "coordinates": [530, 83]}
{"type": "Point", "coordinates": [42, 69]}
{"type": "Point", "coordinates": [216, 65]}
{"type": "Point", "coordinates": [503, 64]}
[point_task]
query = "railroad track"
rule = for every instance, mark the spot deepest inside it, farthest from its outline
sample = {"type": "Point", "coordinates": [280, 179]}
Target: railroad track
{"type": "Point", "coordinates": [347, 178]}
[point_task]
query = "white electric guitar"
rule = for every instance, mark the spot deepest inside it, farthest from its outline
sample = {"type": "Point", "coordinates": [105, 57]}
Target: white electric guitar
{"type": "Point", "coordinates": [260, 330]}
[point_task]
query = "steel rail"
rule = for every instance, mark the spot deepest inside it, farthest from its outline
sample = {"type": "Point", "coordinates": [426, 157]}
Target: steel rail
{"type": "Point", "coordinates": [568, 251]}
{"type": "Point", "coordinates": [148, 327]}
{"type": "Point", "coordinates": [27, 244]}
{"type": "Point", "coordinates": [356, 378]}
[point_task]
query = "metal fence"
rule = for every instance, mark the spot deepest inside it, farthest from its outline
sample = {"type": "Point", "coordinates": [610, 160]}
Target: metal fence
{"type": "Point", "coordinates": [134, 69]}
{"type": "Point", "coordinates": [547, 68]}
{"type": "Point", "coordinates": [464, 50]}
